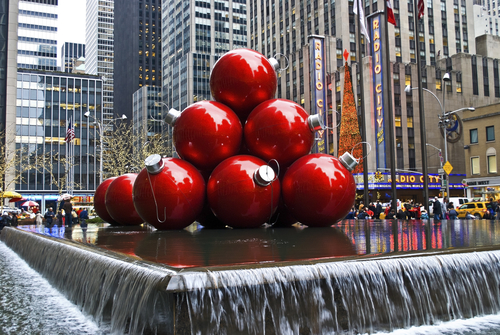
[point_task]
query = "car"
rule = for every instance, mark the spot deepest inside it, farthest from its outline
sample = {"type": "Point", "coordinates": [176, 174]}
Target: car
{"type": "Point", "coordinates": [476, 208]}
{"type": "Point", "coordinates": [14, 210]}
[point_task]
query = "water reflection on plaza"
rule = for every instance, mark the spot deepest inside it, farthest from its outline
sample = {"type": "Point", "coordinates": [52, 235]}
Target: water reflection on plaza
{"type": "Point", "coordinates": [196, 246]}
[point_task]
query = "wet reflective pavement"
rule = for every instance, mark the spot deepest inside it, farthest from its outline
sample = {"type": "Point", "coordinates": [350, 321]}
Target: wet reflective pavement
{"type": "Point", "coordinates": [200, 247]}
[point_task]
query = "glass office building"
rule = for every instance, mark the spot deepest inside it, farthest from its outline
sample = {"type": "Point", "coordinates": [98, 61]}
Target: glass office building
{"type": "Point", "coordinates": [45, 103]}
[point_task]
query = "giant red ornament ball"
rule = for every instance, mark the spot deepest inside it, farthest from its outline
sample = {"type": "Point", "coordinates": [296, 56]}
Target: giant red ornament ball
{"type": "Point", "coordinates": [206, 133]}
{"type": "Point", "coordinates": [99, 202]}
{"type": "Point", "coordinates": [119, 201]}
{"type": "Point", "coordinates": [242, 79]}
{"type": "Point", "coordinates": [318, 190]}
{"type": "Point", "coordinates": [169, 193]}
{"type": "Point", "coordinates": [238, 194]}
{"type": "Point", "coordinates": [279, 129]}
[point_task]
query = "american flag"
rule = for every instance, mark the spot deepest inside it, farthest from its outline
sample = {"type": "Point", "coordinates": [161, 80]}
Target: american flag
{"type": "Point", "coordinates": [70, 133]}
{"type": "Point", "coordinates": [421, 9]}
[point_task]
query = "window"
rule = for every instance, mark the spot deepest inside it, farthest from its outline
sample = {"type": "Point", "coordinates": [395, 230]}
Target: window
{"type": "Point", "coordinates": [474, 165]}
{"type": "Point", "coordinates": [490, 133]}
{"type": "Point", "coordinates": [492, 164]}
{"type": "Point", "coordinates": [473, 136]}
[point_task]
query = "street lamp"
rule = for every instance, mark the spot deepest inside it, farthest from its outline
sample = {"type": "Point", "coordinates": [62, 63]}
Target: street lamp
{"type": "Point", "coordinates": [101, 135]}
{"type": "Point", "coordinates": [444, 119]}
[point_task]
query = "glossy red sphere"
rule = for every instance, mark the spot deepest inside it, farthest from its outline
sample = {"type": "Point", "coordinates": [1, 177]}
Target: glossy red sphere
{"type": "Point", "coordinates": [99, 202]}
{"type": "Point", "coordinates": [119, 201]}
{"type": "Point", "coordinates": [235, 197]}
{"type": "Point", "coordinates": [178, 197]}
{"type": "Point", "coordinates": [206, 133]}
{"type": "Point", "coordinates": [242, 79]}
{"type": "Point", "coordinates": [278, 129]}
{"type": "Point", "coordinates": [318, 190]}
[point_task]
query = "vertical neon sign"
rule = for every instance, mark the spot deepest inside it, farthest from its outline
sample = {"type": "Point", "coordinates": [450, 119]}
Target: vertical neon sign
{"type": "Point", "coordinates": [318, 90]}
{"type": "Point", "coordinates": [378, 92]}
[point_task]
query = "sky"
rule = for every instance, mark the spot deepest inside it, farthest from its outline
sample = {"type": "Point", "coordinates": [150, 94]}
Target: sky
{"type": "Point", "coordinates": [71, 23]}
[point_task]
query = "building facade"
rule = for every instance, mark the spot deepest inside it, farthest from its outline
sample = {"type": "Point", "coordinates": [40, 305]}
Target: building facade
{"type": "Point", "coordinates": [70, 52]}
{"type": "Point", "coordinates": [45, 104]}
{"type": "Point", "coordinates": [137, 60]}
{"type": "Point", "coordinates": [37, 35]}
{"type": "Point", "coordinates": [194, 35]}
{"type": "Point", "coordinates": [482, 147]}
{"type": "Point", "coordinates": [99, 50]}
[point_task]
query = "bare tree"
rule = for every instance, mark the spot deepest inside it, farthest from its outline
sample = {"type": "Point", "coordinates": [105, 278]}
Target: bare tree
{"type": "Point", "coordinates": [49, 163]}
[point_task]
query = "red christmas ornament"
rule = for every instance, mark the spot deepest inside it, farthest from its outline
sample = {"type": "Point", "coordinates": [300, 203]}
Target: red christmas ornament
{"type": "Point", "coordinates": [119, 201]}
{"type": "Point", "coordinates": [99, 202]}
{"type": "Point", "coordinates": [319, 189]}
{"type": "Point", "coordinates": [242, 79]}
{"type": "Point", "coordinates": [282, 130]}
{"type": "Point", "coordinates": [206, 133]}
{"type": "Point", "coordinates": [243, 191]}
{"type": "Point", "coordinates": [169, 193]}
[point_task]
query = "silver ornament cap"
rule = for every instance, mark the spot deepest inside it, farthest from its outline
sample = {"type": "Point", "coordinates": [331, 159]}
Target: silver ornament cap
{"type": "Point", "coordinates": [315, 122]}
{"type": "Point", "coordinates": [264, 175]}
{"type": "Point", "coordinates": [154, 164]}
{"type": "Point", "coordinates": [348, 161]}
{"type": "Point", "coordinates": [172, 116]}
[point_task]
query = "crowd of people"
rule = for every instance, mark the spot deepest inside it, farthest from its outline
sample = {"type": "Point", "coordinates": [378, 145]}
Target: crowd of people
{"type": "Point", "coordinates": [65, 215]}
{"type": "Point", "coordinates": [410, 210]}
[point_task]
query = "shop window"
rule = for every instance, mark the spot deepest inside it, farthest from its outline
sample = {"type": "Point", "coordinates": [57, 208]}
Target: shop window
{"type": "Point", "coordinates": [474, 165]}
{"type": "Point", "coordinates": [490, 133]}
{"type": "Point", "coordinates": [473, 136]}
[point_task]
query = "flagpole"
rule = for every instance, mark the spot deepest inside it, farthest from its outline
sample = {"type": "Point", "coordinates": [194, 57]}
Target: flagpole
{"type": "Point", "coordinates": [366, 198]}
{"type": "Point", "coordinates": [423, 135]}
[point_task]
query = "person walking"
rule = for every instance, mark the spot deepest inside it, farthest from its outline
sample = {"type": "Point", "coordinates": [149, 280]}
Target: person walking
{"type": "Point", "coordinates": [49, 216]}
{"type": "Point", "coordinates": [437, 209]}
{"type": "Point", "coordinates": [378, 210]}
{"type": "Point", "coordinates": [68, 208]}
{"type": "Point", "coordinates": [84, 216]}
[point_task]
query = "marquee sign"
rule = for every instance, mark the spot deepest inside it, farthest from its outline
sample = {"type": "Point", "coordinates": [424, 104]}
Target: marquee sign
{"type": "Point", "coordinates": [378, 91]}
{"type": "Point", "coordinates": [318, 89]}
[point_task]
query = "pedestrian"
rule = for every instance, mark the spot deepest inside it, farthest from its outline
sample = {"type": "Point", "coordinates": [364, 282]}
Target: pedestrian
{"type": "Point", "coordinates": [378, 210]}
{"type": "Point", "coordinates": [68, 208]}
{"type": "Point", "coordinates": [437, 209]}
{"type": "Point", "coordinates": [493, 208]}
{"type": "Point", "coordinates": [362, 214]}
{"type": "Point", "coordinates": [391, 215]}
{"type": "Point", "coordinates": [84, 215]}
{"type": "Point", "coordinates": [401, 215]}
{"type": "Point", "coordinates": [74, 216]}
{"type": "Point", "coordinates": [59, 218]}
{"type": "Point", "coordinates": [38, 218]}
{"type": "Point", "coordinates": [452, 214]}
{"type": "Point", "coordinates": [424, 215]}
{"type": "Point", "coordinates": [351, 215]}
{"type": "Point", "coordinates": [13, 219]}
{"type": "Point", "coordinates": [361, 206]}
{"type": "Point", "coordinates": [49, 216]}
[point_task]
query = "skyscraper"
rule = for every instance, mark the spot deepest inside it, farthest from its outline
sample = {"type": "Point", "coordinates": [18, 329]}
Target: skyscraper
{"type": "Point", "coordinates": [99, 50]}
{"type": "Point", "coordinates": [37, 35]}
{"type": "Point", "coordinates": [194, 35]}
{"type": "Point", "coordinates": [137, 60]}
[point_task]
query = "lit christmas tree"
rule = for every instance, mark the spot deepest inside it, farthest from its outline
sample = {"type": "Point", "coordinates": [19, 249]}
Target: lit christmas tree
{"type": "Point", "coordinates": [349, 126]}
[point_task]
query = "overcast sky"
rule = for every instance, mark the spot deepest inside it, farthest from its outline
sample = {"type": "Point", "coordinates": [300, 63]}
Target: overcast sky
{"type": "Point", "coordinates": [71, 23]}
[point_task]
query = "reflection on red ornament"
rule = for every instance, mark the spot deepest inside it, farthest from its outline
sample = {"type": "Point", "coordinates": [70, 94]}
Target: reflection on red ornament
{"type": "Point", "coordinates": [319, 189]}
{"type": "Point", "coordinates": [119, 201]}
{"type": "Point", "coordinates": [99, 202]}
{"type": "Point", "coordinates": [280, 129]}
{"type": "Point", "coordinates": [169, 193]}
{"type": "Point", "coordinates": [242, 79]}
{"type": "Point", "coordinates": [243, 191]}
{"type": "Point", "coordinates": [206, 133]}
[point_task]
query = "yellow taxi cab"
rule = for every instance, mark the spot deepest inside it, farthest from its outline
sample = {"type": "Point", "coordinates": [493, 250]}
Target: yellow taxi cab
{"type": "Point", "coordinates": [476, 208]}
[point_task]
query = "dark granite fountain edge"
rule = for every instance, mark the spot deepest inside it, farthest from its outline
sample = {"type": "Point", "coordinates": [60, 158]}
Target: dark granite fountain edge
{"type": "Point", "coordinates": [175, 278]}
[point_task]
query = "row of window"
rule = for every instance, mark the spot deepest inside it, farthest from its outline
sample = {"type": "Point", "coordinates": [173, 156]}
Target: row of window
{"type": "Point", "coordinates": [490, 135]}
{"type": "Point", "coordinates": [491, 164]}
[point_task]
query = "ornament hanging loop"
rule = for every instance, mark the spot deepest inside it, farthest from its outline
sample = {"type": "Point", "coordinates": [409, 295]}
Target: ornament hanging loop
{"type": "Point", "coordinates": [276, 64]}
{"type": "Point", "coordinates": [338, 123]}
{"type": "Point", "coordinates": [368, 152]}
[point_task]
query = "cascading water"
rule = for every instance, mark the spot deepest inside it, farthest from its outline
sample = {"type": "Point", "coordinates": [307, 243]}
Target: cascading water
{"type": "Point", "coordinates": [315, 295]}
{"type": "Point", "coordinates": [338, 297]}
{"type": "Point", "coordinates": [125, 292]}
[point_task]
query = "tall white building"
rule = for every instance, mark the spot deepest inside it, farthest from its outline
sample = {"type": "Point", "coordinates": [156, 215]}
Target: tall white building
{"type": "Point", "coordinates": [37, 35]}
{"type": "Point", "coordinates": [99, 51]}
{"type": "Point", "coordinates": [194, 35]}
